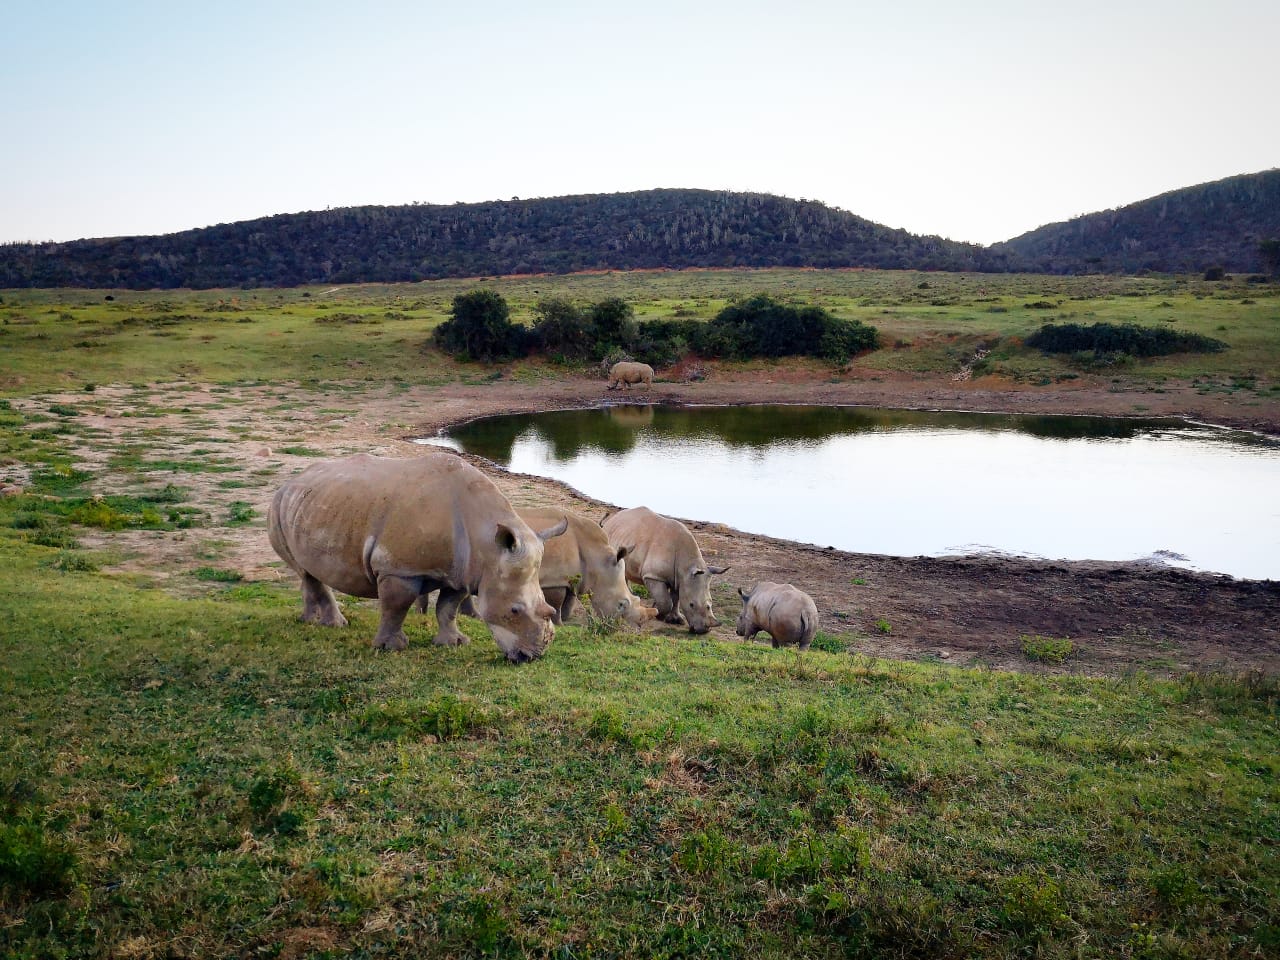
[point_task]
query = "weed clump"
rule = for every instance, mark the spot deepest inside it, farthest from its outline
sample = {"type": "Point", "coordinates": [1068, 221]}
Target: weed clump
{"type": "Point", "coordinates": [1046, 649]}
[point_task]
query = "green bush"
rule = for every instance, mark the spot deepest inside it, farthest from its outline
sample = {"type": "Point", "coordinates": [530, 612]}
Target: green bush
{"type": "Point", "coordinates": [1119, 339]}
{"type": "Point", "coordinates": [1047, 649]}
{"type": "Point", "coordinates": [480, 328]}
{"type": "Point", "coordinates": [31, 863]}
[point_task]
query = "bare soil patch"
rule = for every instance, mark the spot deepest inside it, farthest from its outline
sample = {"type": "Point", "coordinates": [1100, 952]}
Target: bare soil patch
{"type": "Point", "coordinates": [971, 610]}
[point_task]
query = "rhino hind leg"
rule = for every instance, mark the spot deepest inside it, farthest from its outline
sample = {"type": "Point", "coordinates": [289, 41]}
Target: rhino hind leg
{"type": "Point", "coordinates": [395, 596]}
{"type": "Point", "coordinates": [446, 616]}
{"type": "Point", "coordinates": [319, 605]}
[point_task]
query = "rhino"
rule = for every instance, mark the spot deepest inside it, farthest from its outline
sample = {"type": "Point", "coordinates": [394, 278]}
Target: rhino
{"type": "Point", "coordinates": [582, 562]}
{"type": "Point", "coordinates": [627, 372]}
{"type": "Point", "coordinates": [664, 556]}
{"type": "Point", "coordinates": [786, 613]}
{"type": "Point", "coordinates": [396, 529]}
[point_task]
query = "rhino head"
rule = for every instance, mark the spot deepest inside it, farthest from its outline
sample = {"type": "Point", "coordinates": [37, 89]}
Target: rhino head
{"type": "Point", "coordinates": [508, 597]}
{"type": "Point", "coordinates": [606, 581]}
{"type": "Point", "coordinates": [744, 620]}
{"type": "Point", "coordinates": [695, 598]}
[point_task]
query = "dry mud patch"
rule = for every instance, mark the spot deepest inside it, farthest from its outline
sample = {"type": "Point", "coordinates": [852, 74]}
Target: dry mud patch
{"type": "Point", "coordinates": [229, 447]}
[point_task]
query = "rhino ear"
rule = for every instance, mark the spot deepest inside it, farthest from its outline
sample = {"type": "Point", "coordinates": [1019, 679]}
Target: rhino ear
{"type": "Point", "coordinates": [555, 531]}
{"type": "Point", "coordinates": [717, 570]}
{"type": "Point", "coordinates": [623, 551]}
{"type": "Point", "coordinates": [607, 515]}
{"type": "Point", "coordinates": [506, 538]}
{"type": "Point", "coordinates": [745, 596]}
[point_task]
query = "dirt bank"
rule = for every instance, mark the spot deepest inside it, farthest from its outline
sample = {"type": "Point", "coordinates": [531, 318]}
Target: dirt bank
{"type": "Point", "coordinates": [961, 610]}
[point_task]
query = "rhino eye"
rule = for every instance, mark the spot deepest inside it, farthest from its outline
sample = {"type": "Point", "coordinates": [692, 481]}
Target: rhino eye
{"type": "Point", "coordinates": [517, 609]}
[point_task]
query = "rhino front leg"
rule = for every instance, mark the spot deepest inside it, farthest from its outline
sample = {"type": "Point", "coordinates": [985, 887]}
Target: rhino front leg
{"type": "Point", "coordinates": [664, 598]}
{"type": "Point", "coordinates": [395, 596]}
{"type": "Point", "coordinates": [319, 605]}
{"type": "Point", "coordinates": [559, 598]}
{"type": "Point", "coordinates": [446, 615]}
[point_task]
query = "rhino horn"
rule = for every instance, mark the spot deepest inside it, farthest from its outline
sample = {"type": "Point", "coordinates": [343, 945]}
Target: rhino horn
{"type": "Point", "coordinates": [555, 531]}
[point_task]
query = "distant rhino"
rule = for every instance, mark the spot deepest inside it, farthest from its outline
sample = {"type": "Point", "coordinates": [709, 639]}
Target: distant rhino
{"type": "Point", "coordinates": [582, 562]}
{"type": "Point", "coordinates": [787, 614]}
{"type": "Point", "coordinates": [627, 372]}
{"type": "Point", "coordinates": [665, 557]}
{"type": "Point", "coordinates": [397, 529]}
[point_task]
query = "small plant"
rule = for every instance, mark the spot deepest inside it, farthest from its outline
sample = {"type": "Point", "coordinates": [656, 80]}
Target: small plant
{"type": "Point", "coordinates": [218, 576]}
{"type": "Point", "coordinates": [1046, 649]}
{"type": "Point", "coordinates": [31, 862]}
{"type": "Point", "coordinates": [71, 561]}
{"type": "Point", "coordinates": [239, 513]}
{"type": "Point", "coordinates": [883, 626]}
{"type": "Point", "coordinates": [828, 643]}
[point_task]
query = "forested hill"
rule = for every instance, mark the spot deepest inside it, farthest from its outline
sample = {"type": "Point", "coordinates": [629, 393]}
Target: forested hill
{"type": "Point", "coordinates": [1219, 224]}
{"type": "Point", "coordinates": [626, 231]}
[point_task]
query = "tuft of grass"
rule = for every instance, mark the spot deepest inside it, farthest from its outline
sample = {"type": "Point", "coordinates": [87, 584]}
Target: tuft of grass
{"type": "Point", "coordinates": [1046, 649]}
{"type": "Point", "coordinates": [216, 575]}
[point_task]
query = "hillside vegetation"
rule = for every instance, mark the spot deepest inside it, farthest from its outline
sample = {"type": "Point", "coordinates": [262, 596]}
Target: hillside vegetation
{"type": "Point", "coordinates": [625, 231]}
{"type": "Point", "coordinates": [1230, 225]}
{"type": "Point", "coordinates": [1226, 224]}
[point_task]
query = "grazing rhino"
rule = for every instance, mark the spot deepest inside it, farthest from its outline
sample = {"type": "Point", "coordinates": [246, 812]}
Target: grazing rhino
{"type": "Point", "coordinates": [628, 372]}
{"type": "Point", "coordinates": [664, 557]}
{"type": "Point", "coordinates": [582, 562]}
{"type": "Point", "coordinates": [787, 614]}
{"type": "Point", "coordinates": [397, 529]}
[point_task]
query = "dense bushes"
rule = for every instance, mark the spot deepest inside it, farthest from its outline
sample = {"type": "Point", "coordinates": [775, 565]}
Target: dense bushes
{"type": "Point", "coordinates": [480, 328]}
{"type": "Point", "coordinates": [1126, 338]}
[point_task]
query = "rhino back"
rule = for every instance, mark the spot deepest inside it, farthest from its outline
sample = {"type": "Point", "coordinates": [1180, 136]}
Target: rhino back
{"type": "Point", "coordinates": [347, 521]}
{"type": "Point", "coordinates": [785, 612]}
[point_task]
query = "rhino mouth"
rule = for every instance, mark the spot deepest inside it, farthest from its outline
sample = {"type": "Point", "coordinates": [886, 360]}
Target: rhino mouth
{"type": "Point", "coordinates": [519, 649]}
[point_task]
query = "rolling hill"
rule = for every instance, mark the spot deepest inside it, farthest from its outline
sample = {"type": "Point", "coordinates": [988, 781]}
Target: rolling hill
{"type": "Point", "coordinates": [1217, 224]}
{"type": "Point", "coordinates": [627, 231]}
{"type": "Point", "coordinates": [1220, 224]}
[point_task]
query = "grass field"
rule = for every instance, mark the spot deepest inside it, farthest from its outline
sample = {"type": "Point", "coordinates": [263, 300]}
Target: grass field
{"type": "Point", "coordinates": [930, 323]}
{"type": "Point", "coordinates": [185, 770]}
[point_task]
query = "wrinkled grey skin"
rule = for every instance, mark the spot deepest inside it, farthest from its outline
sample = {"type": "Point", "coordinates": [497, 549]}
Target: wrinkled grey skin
{"type": "Point", "coordinates": [787, 614]}
{"type": "Point", "coordinates": [627, 372]}
{"type": "Point", "coordinates": [396, 530]}
{"type": "Point", "coordinates": [666, 558]}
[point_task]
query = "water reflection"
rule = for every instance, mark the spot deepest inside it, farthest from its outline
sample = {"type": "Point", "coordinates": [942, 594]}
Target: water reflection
{"type": "Point", "coordinates": [911, 482]}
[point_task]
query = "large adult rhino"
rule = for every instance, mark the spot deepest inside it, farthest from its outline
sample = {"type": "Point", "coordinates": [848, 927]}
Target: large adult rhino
{"type": "Point", "coordinates": [665, 557]}
{"type": "Point", "coordinates": [626, 372]}
{"type": "Point", "coordinates": [396, 529]}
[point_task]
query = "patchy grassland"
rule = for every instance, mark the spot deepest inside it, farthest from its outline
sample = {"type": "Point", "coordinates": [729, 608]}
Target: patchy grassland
{"type": "Point", "coordinates": [185, 770]}
{"type": "Point", "coordinates": [930, 324]}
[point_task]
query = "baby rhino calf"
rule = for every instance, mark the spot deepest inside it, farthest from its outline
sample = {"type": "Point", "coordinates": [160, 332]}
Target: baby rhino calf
{"type": "Point", "coordinates": [788, 615]}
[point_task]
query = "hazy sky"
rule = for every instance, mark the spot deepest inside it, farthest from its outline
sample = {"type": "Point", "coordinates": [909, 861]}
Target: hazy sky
{"type": "Point", "coordinates": [977, 121]}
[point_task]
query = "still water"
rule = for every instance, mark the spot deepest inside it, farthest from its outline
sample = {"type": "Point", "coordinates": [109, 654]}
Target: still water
{"type": "Point", "coordinates": [911, 483]}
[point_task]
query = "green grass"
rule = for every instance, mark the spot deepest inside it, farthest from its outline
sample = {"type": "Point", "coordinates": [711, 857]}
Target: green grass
{"type": "Point", "coordinates": [312, 335]}
{"type": "Point", "coordinates": [210, 775]}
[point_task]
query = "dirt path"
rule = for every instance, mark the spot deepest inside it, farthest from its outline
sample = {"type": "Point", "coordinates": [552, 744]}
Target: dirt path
{"type": "Point", "coordinates": [960, 610]}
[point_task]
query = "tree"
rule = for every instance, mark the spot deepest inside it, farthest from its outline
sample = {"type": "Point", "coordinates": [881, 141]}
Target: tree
{"type": "Point", "coordinates": [1269, 250]}
{"type": "Point", "coordinates": [480, 328]}
{"type": "Point", "coordinates": [613, 323]}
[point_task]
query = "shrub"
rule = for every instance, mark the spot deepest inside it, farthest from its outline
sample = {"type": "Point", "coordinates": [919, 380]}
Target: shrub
{"type": "Point", "coordinates": [1119, 339]}
{"type": "Point", "coordinates": [561, 329]}
{"type": "Point", "coordinates": [1047, 649]}
{"type": "Point", "coordinates": [764, 327]}
{"type": "Point", "coordinates": [480, 328]}
{"type": "Point", "coordinates": [31, 863]}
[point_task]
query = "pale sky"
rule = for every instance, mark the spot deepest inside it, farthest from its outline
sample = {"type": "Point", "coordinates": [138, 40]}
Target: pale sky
{"type": "Point", "coordinates": [977, 121]}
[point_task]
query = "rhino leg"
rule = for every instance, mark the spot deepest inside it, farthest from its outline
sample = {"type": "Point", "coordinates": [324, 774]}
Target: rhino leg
{"type": "Point", "coordinates": [468, 607]}
{"type": "Point", "coordinates": [665, 599]}
{"type": "Point", "coordinates": [559, 598]}
{"type": "Point", "coordinates": [395, 596]}
{"type": "Point", "coordinates": [446, 615]}
{"type": "Point", "coordinates": [318, 604]}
